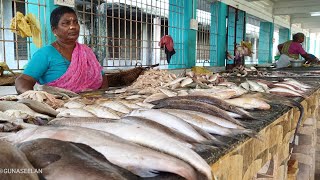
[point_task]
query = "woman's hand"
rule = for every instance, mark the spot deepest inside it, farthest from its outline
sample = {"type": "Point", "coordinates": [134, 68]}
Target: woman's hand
{"type": "Point", "coordinates": [24, 83]}
{"type": "Point", "coordinates": [105, 84]}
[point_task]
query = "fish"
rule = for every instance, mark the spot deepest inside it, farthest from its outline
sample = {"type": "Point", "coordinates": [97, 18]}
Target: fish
{"type": "Point", "coordinates": [178, 80]}
{"type": "Point", "coordinates": [7, 126]}
{"type": "Point", "coordinates": [254, 86]}
{"type": "Point", "coordinates": [135, 96]}
{"type": "Point", "coordinates": [212, 101]}
{"type": "Point", "coordinates": [289, 86]}
{"type": "Point", "coordinates": [215, 119]}
{"type": "Point", "coordinates": [185, 104]}
{"type": "Point", "coordinates": [39, 107]}
{"type": "Point", "coordinates": [285, 92]}
{"type": "Point", "coordinates": [4, 116]}
{"type": "Point", "coordinates": [245, 85]}
{"type": "Point", "coordinates": [145, 105]}
{"type": "Point", "coordinates": [137, 159]}
{"type": "Point", "coordinates": [186, 82]}
{"type": "Point", "coordinates": [66, 160]}
{"type": "Point", "coordinates": [249, 103]}
{"type": "Point", "coordinates": [297, 83]}
{"type": "Point", "coordinates": [264, 86]}
{"type": "Point", "coordinates": [168, 92]}
{"type": "Point", "coordinates": [208, 125]}
{"type": "Point", "coordinates": [152, 124]}
{"type": "Point", "coordinates": [74, 104]}
{"type": "Point", "coordinates": [114, 105]}
{"type": "Point", "coordinates": [153, 139]}
{"type": "Point", "coordinates": [218, 93]}
{"type": "Point", "coordinates": [170, 121]}
{"type": "Point", "coordinates": [56, 90]}
{"type": "Point", "coordinates": [75, 112]}
{"type": "Point", "coordinates": [130, 105]}
{"type": "Point", "coordinates": [155, 97]}
{"type": "Point", "coordinates": [182, 93]}
{"type": "Point", "coordinates": [13, 158]}
{"type": "Point", "coordinates": [101, 112]}
{"type": "Point", "coordinates": [70, 121]}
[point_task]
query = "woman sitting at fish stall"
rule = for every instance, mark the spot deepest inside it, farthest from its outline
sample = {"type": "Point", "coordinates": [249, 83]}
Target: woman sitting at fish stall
{"type": "Point", "coordinates": [65, 63]}
{"type": "Point", "coordinates": [291, 50]}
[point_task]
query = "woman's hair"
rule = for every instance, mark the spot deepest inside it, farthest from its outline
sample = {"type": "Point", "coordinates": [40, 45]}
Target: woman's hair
{"type": "Point", "coordinates": [57, 13]}
{"type": "Point", "coordinates": [297, 36]}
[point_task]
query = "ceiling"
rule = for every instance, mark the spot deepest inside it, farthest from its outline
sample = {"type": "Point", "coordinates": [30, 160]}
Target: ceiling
{"type": "Point", "coordinates": [299, 12]}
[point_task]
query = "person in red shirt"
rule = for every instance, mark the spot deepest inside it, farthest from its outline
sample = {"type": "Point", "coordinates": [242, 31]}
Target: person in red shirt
{"type": "Point", "coordinates": [167, 42]}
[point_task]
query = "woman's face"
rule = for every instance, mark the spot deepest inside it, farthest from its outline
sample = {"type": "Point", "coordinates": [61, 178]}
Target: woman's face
{"type": "Point", "coordinates": [68, 28]}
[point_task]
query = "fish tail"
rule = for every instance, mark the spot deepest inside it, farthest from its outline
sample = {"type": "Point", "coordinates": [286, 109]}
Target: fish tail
{"type": "Point", "coordinates": [203, 147]}
{"type": "Point", "coordinates": [248, 132]}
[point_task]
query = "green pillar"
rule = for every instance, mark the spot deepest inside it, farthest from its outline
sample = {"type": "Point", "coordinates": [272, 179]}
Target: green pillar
{"type": "Point", "coordinates": [265, 42]}
{"type": "Point", "coordinates": [43, 12]}
{"type": "Point", "coordinates": [184, 38]}
{"type": "Point", "coordinates": [308, 44]}
{"type": "Point", "coordinates": [219, 12]}
{"type": "Point", "coordinates": [284, 35]}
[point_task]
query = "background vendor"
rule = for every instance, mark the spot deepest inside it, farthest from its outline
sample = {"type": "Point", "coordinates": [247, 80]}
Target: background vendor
{"type": "Point", "coordinates": [291, 50]}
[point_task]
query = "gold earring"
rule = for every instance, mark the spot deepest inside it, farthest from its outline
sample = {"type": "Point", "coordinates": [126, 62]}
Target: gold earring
{"type": "Point", "coordinates": [55, 35]}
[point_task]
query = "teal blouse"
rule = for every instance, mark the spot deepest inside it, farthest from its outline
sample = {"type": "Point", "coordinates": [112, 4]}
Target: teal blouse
{"type": "Point", "coordinates": [46, 65]}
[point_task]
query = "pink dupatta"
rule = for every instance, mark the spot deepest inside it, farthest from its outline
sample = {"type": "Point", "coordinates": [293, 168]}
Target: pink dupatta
{"type": "Point", "coordinates": [83, 73]}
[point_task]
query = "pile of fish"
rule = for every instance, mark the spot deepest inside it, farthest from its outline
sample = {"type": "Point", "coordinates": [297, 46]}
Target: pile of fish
{"type": "Point", "coordinates": [150, 127]}
{"type": "Point", "coordinates": [242, 71]}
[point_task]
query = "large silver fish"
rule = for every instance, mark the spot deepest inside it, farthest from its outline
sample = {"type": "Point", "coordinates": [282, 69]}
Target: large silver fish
{"type": "Point", "coordinates": [61, 160]}
{"type": "Point", "coordinates": [170, 121]}
{"type": "Point", "coordinates": [185, 104]}
{"type": "Point", "coordinates": [13, 159]}
{"type": "Point", "coordinates": [249, 103]}
{"type": "Point", "coordinates": [154, 139]}
{"type": "Point", "coordinates": [15, 106]}
{"type": "Point", "coordinates": [213, 101]}
{"type": "Point", "coordinates": [137, 159]}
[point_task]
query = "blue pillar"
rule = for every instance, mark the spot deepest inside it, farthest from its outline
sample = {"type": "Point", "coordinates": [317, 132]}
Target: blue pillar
{"type": "Point", "coordinates": [218, 31]}
{"type": "Point", "coordinates": [283, 35]}
{"type": "Point", "coordinates": [265, 42]}
{"type": "Point", "coordinates": [47, 35]}
{"type": "Point", "coordinates": [180, 14]}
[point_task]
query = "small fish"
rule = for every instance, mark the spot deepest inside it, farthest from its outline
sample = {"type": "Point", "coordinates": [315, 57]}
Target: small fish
{"type": "Point", "coordinates": [136, 96]}
{"type": "Point", "coordinates": [145, 105]}
{"type": "Point", "coordinates": [130, 105]}
{"type": "Point", "coordinates": [249, 103]}
{"type": "Point", "coordinates": [75, 112]}
{"type": "Point", "coordinates": [114, 105]}
{"type": "Point", "coordinates": [74, 104]}
{"type": "Point", "coordinates": [254, 86]}
{"type": "Point", "coordinates": [101, 112]}
{"type": "Point", "coordinates": [155, 97]}
{"type": "Point", "coordinates": [168, 92]}
{"type": "Point", "coordinates": [245, 85]}
{"type": "Point", "coordinates": [297, 83]}
{"type": "Point", "coordinates": [178, 80]}
{"type": "Point", "coordinates": [186, 82]}
{"type": "Point", "coordinates": [288, 86]}
{"type": "Point", "coordinates": [39, 107]}
{"type": "Point", "coordinates": [285, 92]}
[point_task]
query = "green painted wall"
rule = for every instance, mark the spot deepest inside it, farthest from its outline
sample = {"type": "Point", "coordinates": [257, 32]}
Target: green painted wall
{"type": "Point", "coordinates": [218, 24]}
{"type": "Point", "coordinates": [183, 37]}
{"type": "Point", "coordinates": [47, 35]}
{"type": "Point", "coordinates": [265, 42]}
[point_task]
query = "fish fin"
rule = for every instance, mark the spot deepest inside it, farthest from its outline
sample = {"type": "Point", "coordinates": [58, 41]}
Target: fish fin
{"type": "Point", "coordinates": [248, 132]}
{"type": "Point", "coordinates": [144, 172]}
{"type": "Point", "coordinates": [202, 147]}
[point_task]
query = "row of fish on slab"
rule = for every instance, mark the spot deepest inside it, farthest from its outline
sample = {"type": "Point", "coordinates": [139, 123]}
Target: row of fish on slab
{"type": "Point", "coordinates": [164, 138]}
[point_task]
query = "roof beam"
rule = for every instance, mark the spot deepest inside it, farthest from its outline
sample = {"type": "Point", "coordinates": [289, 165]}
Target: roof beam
{"type": "Point", "coordinates": [315, 30]}
{"type": "Point", "coordinates": [305, 20]}
{"type": "Point", "coordinates": [295, 7]}
{"type": "Point", "coordinates": [310, 25]}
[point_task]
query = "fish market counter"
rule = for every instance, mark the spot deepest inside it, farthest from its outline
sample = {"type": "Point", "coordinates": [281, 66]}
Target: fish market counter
{"type": "Point", "coordinates": [266, 157]}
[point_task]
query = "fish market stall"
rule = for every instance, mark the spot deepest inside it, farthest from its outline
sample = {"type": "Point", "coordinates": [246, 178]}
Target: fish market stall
{"type": "Point", "coordinates": [196, 126]}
